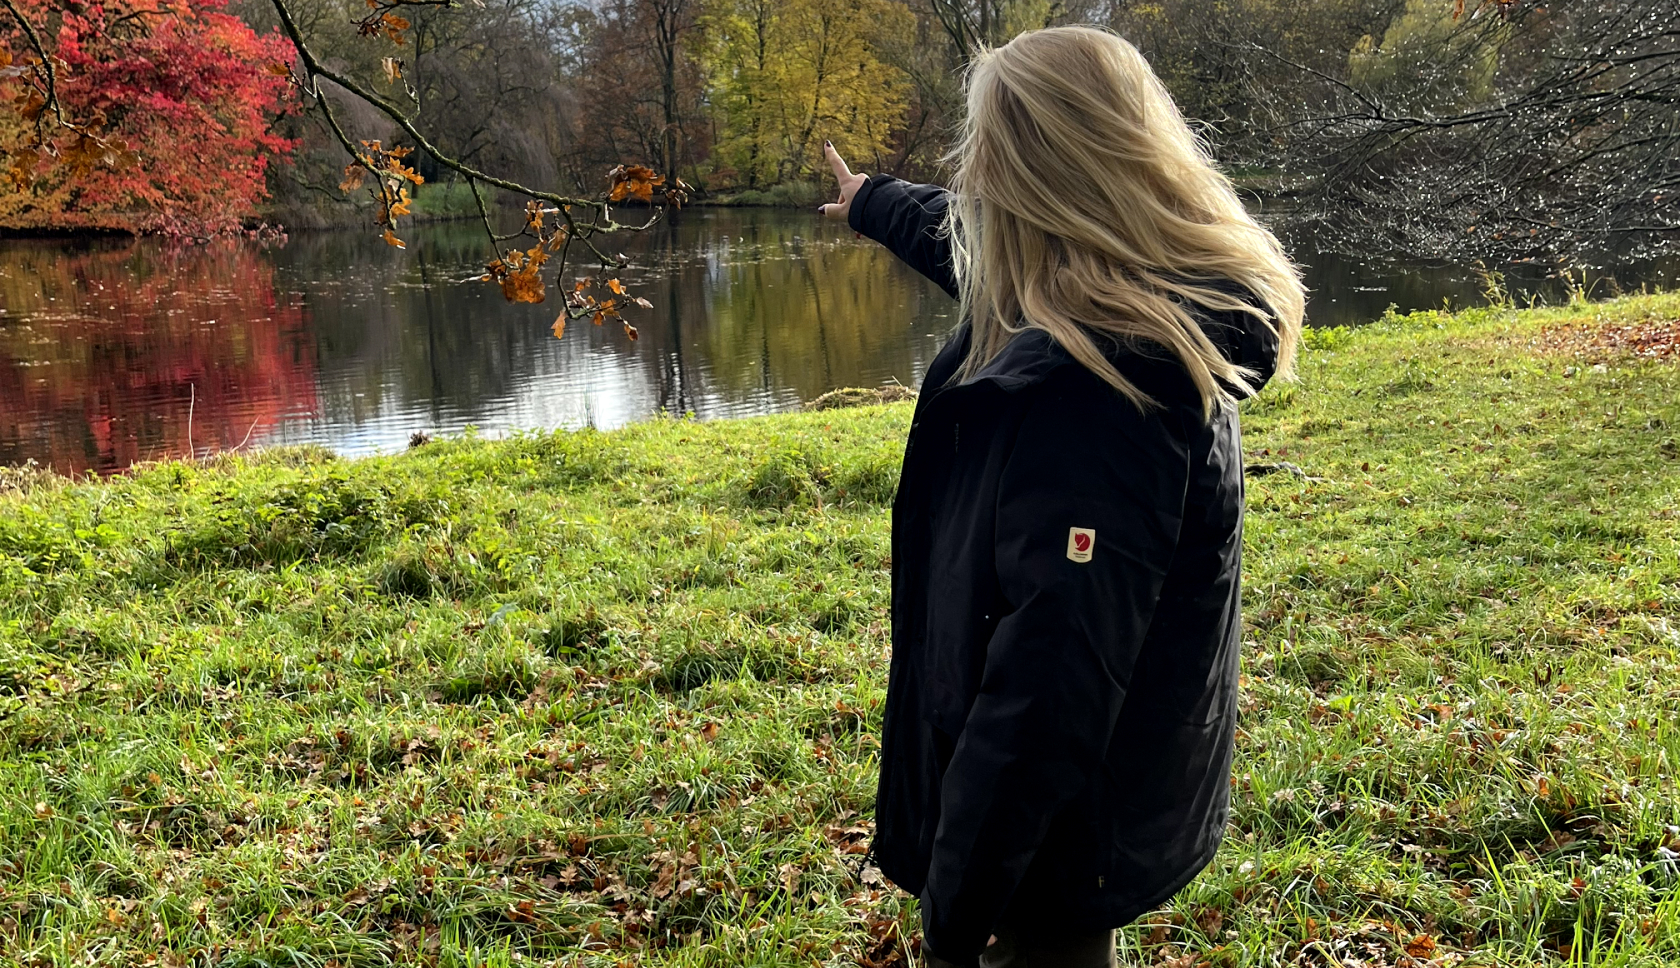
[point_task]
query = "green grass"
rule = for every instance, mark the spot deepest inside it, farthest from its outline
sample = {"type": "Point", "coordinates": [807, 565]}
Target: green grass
{"type": "Point", "coordinates": [613, 699]}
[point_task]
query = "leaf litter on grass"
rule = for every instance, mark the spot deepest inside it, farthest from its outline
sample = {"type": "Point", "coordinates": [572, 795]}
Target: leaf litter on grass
{"type": "Point", "coordinates": [593, 700]}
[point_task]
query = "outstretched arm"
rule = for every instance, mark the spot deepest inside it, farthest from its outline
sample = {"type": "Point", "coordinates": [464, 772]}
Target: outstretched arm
{"type": "Point", "coordinates": [905, 217]}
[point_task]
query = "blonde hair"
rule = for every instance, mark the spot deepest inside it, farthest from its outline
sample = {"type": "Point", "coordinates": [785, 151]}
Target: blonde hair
{"type": "Point", "coordinates": [1083, 204]}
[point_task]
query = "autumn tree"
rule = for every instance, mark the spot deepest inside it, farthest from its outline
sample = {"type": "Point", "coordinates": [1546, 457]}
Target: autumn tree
{"type": "Point", "coordinates": [1215, 59]}
{"type": "Point", "coordinates": [554, 227]}
{"type": "Point", "coordinates": [136, 114]}
{"type": "Point", "coordinates": [788, 75]}
{"type": "Point", "coordinates": [641, 86]}
{"type": "Point", "coordinates": [971, 25]}
{"type": "Point", "coordinates": [1516, 129]}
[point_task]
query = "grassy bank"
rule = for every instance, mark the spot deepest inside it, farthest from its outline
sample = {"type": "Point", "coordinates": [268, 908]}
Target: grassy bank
{"type": "Point", "coordinates": [612, 699]}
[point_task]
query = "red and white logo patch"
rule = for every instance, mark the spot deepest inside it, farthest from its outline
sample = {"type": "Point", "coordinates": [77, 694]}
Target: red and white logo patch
{"type": "Point", "coordinates": [1081, 541]}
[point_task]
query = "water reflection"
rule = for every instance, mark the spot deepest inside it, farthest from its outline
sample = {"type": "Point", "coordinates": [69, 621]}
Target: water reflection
{"type": "Point", "coordinates": [113, 352]}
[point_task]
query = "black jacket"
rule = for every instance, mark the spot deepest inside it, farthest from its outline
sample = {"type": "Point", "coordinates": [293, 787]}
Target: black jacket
{"type": "Point", "coordinates": [1057, 736]}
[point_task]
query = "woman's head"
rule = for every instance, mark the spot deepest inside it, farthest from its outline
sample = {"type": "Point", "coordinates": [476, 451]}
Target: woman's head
{"type": "Point", "coordinates": [1084, 204]}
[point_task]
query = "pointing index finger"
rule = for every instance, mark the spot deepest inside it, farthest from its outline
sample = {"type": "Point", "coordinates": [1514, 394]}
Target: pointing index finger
{"type": "Point", "coordinates": [836, 162]}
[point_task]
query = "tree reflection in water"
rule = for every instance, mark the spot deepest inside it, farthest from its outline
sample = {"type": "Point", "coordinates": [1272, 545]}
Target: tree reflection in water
{"type": "Point", "coordinates": [338, 339]}
{"type": "Point", "coordinates": [114, 351]}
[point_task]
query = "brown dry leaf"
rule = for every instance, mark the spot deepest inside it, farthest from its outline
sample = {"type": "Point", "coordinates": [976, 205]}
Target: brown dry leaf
{"type": "Point", "coordinates": [278, 69]}
{"type": "Point", "coordinates": [642, 302]}
{"type": "Point", "coordinates": [43, 811]}
{"type": "Point", "coordinates": [30, 105]}
{"type": "Point", "coordinates": [1210, 919]}
{"type": "Point", "coordinates": [560, 325]}
{"type": "Point", "coordinates": [710, 730]}
{"type": "Point", "coordinates": [391, 239]}
{"type": "Point", "coordinates": [22, 170]}
{"type": "Point", "coordinates": [637, 180]}
{"type": "Point", "coordinates": [616, 286]}
{"type": "Point", "coordinates": [353, 175]}
{"type": "Point", "coordinates": [630, 331]}
{"type": "Point", "coordinates": [524, 286]}
{"type": "Point", "coordinates": [1422, 946]}
{"type": "Point", "coordinates": [393, 69]}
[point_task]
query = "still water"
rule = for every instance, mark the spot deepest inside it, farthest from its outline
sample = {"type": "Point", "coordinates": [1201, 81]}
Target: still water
{"type": "Point", "coordinates": [113, 352]}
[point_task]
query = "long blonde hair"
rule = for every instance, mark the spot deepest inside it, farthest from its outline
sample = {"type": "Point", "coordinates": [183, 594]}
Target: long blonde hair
{"type": "Point", "coordinates": [1083, 204]}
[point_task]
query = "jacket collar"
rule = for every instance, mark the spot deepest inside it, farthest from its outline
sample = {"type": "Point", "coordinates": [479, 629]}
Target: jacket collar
{"type": "Point", "coordinates": [1025, 360]}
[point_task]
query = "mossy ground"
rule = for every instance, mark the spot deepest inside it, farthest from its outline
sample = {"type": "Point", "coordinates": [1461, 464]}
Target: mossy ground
{"type": "Point", "coordinates": [613, 699]}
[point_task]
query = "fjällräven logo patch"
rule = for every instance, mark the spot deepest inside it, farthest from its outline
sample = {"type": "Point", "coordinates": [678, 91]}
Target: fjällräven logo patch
{"type": "Point", "coordinates": [1080, 543]}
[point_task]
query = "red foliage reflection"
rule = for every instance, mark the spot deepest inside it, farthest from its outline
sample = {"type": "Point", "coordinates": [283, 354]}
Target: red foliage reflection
{"type": "Point", "coordinates": [106, 352]}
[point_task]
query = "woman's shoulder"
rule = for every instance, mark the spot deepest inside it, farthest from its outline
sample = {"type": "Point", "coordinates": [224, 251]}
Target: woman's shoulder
{"type": "Point", "coordinates": [1034, 359]}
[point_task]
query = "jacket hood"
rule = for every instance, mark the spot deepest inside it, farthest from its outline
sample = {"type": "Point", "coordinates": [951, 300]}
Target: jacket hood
{"type": "Point", "coordinates": [1243, 339]}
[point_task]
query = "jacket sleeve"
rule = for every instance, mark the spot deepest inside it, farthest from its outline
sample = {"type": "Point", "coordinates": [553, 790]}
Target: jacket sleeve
{"type": "Point", "coordinates": [1058, 665]}
{"type": "Point", "coordinates": [906, 218]}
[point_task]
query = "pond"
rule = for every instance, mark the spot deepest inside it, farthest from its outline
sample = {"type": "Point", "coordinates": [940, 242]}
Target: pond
{"type": "Point", "coordinates": [117, 351]}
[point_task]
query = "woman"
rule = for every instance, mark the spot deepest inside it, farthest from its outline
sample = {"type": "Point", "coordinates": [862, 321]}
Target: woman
{"type": "Point", "coordinates": [1067, 535]}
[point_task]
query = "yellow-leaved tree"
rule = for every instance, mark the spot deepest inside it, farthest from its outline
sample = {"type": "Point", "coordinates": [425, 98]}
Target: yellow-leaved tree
{"type": "Point", "coordinates": [788, 74]}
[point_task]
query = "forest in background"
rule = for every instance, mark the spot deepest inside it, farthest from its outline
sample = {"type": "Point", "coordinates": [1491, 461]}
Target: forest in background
{"type": "Point", "coordinates": [1458, 128]}
{"type": "Point", "coordinates": [737, 96]}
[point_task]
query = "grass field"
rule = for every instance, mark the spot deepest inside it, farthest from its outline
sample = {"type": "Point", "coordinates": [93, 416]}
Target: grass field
{"type": "Point", "coordinates": [612, 698]}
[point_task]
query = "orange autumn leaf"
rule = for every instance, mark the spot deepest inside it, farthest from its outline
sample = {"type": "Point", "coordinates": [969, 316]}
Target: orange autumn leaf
{"type": "Point", "coordinates": [391, 239]}
{"type": "Point", "coordinates": [616, 286]}
{"type": "Point", "coordinates": [560, 325]}
{"type": "Point", "coordinates": [524, 286]}
{"type": "Point", "coordinates": [637, 180]}
{"type": "Point", "coordinates": [630, 331]}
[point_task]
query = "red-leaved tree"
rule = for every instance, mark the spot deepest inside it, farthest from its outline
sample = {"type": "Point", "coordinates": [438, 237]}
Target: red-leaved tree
{"type": "Point", "coordinates": [144, 114]}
